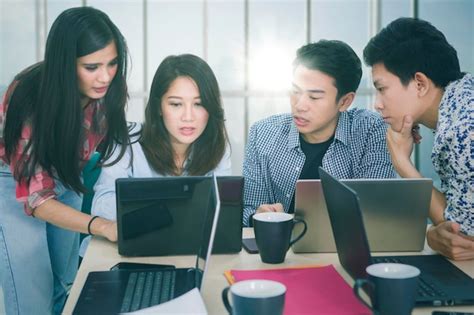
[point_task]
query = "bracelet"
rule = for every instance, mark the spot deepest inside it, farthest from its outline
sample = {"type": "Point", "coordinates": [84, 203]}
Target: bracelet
{"type": "Point", "coordinates": [90, 223]}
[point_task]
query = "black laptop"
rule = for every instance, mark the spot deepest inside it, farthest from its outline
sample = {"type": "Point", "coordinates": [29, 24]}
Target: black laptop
{"type": "Point", "coordinates": [119, 291]}
{"type": "Point", "coordinates": [441, 282]}
{"type": "Point", "coordinates": [163, 215]}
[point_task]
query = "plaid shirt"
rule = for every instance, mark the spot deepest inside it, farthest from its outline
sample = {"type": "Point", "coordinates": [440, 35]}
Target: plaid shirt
{"type": "Point", "coordinates": [274, 159]}
{"type": "Point", "coordinates": [42, 186]}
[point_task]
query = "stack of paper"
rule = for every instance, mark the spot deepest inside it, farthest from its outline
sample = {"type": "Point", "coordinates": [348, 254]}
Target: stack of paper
{"type": "Point", "coordinates": [188, 303]}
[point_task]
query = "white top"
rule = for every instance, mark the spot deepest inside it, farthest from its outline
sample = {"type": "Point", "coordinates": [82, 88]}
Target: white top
{"type": "Point", "coordinates": [104, 203]}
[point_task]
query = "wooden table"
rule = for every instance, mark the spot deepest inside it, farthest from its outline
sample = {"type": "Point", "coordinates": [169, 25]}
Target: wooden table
{"type": "Point", "coordinates": [101, 255]}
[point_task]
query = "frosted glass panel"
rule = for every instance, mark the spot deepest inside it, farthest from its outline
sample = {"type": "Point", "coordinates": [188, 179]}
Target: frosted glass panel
{"type": "Point", "coordinates": [455, 18]}
{"type": "Point", "coordinates": [226, 43]}
{"type": "Point", "coordinates": [347, 21]}
{"type": "Point", "coordinates": [235, 115]}
{"type": "Point", "coordinates": [54, 8]}
{"type": "Point", "coordinates": [136, 110]}
{"type": "Point", "coordinates": [262, 107]}
{"type": "Point", "coordinates": [326, 21]}
{"type": "Point", "coordinates": [174, 27]}
{"type": "Point", "coordinates": [276, 30]}
{"type": "Point", "coordinates": [393, 9]}
{"type": "Point", "coordinates": [17, 38]}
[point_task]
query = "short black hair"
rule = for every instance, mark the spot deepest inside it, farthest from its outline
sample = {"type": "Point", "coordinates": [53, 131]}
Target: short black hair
{"type": "Point", "coordinates": [334, 58]}
{"type": "Point", "coordinates": [409, 45]}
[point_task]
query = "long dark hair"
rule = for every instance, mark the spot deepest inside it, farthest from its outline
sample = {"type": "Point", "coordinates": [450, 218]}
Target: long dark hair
{"type": "Point", "coordinates": [47, 97]}
{"type": "Point", "coordinates": [208, 150]}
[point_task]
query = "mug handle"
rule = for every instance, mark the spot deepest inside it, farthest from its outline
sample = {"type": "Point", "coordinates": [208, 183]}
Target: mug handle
{"type": "Point", "coordinates": [296, 221]}
{"type": "Point", "coordinates": [359, 283]}
{"type": "Point", "coordinates": [225, 299]}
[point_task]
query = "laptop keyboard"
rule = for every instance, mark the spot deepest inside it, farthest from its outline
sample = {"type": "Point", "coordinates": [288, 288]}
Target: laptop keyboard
{"type": "Point", "coordinates": [426, 289]}
{"type": "Point", "coordinates": [148, 288]}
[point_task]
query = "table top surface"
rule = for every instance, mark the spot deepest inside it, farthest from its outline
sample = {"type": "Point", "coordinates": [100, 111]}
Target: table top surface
{"type": "Point", "coordinates": [101, 255]}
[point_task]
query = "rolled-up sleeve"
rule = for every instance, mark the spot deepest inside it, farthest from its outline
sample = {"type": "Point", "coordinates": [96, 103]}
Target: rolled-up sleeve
{"type": "Point", "coordinates": [40, 187]}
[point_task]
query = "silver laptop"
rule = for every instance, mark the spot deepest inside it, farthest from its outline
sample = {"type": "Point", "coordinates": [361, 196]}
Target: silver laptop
{"type": "Point", "coordinates": [395, 213]}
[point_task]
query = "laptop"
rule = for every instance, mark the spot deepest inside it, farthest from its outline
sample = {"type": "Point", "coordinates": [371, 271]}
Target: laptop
{"type": "Point", "coordinates": [113, 292]}
{"type": "Point", "coordinates": [163, 215]}
{"type": "Point", "coordinates": [388, 207]}
{"type": "Point", "coordinates": [440, 282]}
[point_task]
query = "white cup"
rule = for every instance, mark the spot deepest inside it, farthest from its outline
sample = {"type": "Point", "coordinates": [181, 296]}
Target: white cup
{"type": "Point", "coordinates": [263, 297]}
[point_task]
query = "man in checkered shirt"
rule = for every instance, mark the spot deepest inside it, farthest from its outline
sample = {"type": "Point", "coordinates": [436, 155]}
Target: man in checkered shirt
{"type": "Point", "coordinates": [319, 131]}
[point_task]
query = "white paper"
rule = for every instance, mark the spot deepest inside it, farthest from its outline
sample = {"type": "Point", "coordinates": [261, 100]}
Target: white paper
{"type": "Point", "coordinates": [189, 303]}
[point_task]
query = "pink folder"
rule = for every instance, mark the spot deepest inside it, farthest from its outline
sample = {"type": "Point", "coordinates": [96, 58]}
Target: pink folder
{"type": "Point", "coordinates": [310, 290]}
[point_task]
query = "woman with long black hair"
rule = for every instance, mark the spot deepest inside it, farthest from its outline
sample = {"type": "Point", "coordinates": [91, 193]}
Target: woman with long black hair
{"type": "Point", "coordinates": [54, 115]}
{"type": "Point", "coordinates": [183, 134]}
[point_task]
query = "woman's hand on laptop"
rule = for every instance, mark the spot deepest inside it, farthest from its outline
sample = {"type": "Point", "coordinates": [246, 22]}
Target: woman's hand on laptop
{"type": "Point", "coordinates": [447, 239]}
{"type": "Point", "coordinates": [275, 207]}
{"type": "Point", "coordinates": [110, 231]}
{"type": "Point", "coordinates": [105, 228]}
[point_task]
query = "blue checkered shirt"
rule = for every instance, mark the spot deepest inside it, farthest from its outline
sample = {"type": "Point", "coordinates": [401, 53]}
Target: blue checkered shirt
{"type": "Point", "coordinates": [274, 159]}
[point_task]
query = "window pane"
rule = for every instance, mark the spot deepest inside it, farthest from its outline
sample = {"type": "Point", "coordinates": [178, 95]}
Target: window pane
{"type": "Point", "coordinates": [235, 115]}
{"type": "Point", "coordinates": [174, 27]}
{"type": "Point", "coordinates": [354, 30]}
{"type": "Point", "coordinates": [54, 8]}
{"type": "Point", "coordinates": [136, 109]}
{"type": "Point", "coordinates": [226, 43]}
{"type": "Point", "coordinates": [276, 30]}
{"type": "Point", "coordinates": [17, 35]}
{"type": "Point", "coordinates": [262, 107]}
{"type": "Point", "coordinates": [455, 18]}
{"type": "Point", "coordinates": [393, 9]}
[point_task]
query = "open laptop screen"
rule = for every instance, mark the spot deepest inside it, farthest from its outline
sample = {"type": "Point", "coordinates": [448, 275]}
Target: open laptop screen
{"type": "Point", "coordinates": [161, 214]}
{"type": "Point", "coordinates": [209, 231]}
{"type": "Point", "coordinates": [347, 226]}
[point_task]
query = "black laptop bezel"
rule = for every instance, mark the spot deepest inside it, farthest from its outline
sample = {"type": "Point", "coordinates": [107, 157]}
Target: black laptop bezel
{"type": "Point", "coordinates": [454, 295]}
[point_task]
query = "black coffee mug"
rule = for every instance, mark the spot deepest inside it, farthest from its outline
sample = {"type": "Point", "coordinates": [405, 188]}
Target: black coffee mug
{"type": "Point", "coordinates": [273, 235]}
{"type": "Point", "coordinates": [392, 288]}
{"type": "Point", "coordinates": [262, 297]}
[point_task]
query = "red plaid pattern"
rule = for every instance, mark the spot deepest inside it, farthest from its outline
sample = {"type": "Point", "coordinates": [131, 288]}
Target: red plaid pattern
{"type": "Point", "coordinates": [41, 186]}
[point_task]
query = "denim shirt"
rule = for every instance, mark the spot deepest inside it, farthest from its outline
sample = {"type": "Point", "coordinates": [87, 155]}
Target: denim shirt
{"type": "Point", "coordinates": [274, 159]}
{"type": "Point", "coordinates": [453, 152]}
